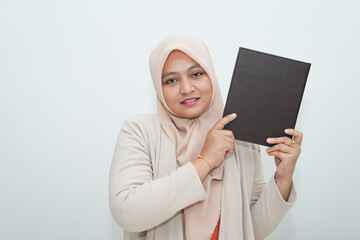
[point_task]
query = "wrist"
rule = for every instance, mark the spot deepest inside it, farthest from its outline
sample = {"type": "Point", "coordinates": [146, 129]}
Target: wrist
{"type": "Point", "coordinates": [208, 158]}
{"type": "Point", "coordinates": [283, 178]}
{"type": "Point", "coordinates": [201, 167]}
{"type": "Point", "coordinates": [206, 161]}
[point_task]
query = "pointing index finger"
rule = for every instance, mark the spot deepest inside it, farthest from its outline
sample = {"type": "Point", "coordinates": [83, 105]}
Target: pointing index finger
{"type": "Point", "coordinates": [219, 125]}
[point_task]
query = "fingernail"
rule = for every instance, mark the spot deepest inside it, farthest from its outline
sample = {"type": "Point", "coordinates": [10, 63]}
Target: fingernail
{"type": "Point", "coordinates": [287, 130]}
{"type": "Point", "coordinates": [269, 140]}
{"type": "Point", "coordinates": [233, 114]}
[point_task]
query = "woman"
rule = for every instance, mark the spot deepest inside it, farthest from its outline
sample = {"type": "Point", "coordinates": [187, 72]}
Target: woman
{"type": "Point", "coordinates": [179, 175]}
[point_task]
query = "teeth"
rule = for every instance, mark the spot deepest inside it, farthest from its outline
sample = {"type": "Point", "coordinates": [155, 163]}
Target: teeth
{"type": "Point", "coordinates": [191, 100]}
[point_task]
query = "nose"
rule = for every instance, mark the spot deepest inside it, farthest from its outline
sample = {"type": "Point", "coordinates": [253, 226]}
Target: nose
{"type": "Point", "coordinates": [186, 86]}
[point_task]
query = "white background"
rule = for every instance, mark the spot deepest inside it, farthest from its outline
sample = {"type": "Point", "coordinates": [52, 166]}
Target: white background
{"type": "Point", "coordinates": [72, 71]}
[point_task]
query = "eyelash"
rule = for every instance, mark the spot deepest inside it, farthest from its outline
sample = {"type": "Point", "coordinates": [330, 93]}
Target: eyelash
{"type": "Point", "coordinates": [196, 73]}
{"type": "Point", "coordinates": [200, 73]}
{"type": "Point", "coordinates": [168, 81]}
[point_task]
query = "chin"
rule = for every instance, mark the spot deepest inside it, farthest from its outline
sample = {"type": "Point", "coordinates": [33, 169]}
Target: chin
{"type": "Point", "coordinates": [190, 115]}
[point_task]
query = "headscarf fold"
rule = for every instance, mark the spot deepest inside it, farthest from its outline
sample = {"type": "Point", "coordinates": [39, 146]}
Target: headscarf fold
{"type": "Point", "coordinates": [189, 135]}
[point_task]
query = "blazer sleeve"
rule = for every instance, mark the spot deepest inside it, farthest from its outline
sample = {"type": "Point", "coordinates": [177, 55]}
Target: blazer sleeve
{"type": "Point", "coordinates": [137, 201]}
{"type": "Point", "coordinates": [268, 207]}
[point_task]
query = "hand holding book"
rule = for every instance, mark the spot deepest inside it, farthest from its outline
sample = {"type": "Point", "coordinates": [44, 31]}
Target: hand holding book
{"type": "Point", "coordinates": [286, 153]}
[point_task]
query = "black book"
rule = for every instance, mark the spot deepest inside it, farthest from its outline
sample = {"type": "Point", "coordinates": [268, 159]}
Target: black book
{"type": "Point", "coordinates": [265, 93]}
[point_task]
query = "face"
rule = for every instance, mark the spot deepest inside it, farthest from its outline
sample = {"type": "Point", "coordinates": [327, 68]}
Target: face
{"type": "Point", "coordinates": [186, 86]}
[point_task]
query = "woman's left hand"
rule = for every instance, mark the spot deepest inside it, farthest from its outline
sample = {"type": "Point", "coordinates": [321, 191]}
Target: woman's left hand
{"type": "Point", "coordinates": [286, 153]}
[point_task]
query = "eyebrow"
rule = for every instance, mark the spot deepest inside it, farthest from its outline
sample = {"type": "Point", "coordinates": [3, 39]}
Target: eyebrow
{"type": "Point", "coordinates": [165, 75]}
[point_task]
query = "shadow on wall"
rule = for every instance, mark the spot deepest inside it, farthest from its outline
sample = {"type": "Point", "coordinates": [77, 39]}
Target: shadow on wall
{"type": "Point", "coordinates": [116, 232]}
{"type": "Point", "coordinates": [285, 231]}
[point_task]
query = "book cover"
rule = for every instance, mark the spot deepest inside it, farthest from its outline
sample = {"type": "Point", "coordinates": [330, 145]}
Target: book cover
{"type": "Point", "coordinates": [265, 93]}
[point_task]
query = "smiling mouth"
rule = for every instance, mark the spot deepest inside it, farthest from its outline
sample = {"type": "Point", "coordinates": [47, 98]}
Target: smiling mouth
{"type": "Point", "coordinates": [190, 101]}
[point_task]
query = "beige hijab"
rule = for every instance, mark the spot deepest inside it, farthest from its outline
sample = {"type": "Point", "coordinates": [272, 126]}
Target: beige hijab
{"type": "Point", "coordinates": [188, 135]}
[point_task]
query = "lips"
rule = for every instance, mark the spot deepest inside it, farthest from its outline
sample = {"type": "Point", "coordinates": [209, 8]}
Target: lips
{"type": "Point", "coordinates": [190, 101]}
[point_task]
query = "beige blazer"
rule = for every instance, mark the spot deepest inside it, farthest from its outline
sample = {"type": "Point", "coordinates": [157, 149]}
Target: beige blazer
{"type": "Point", "coordinates": [148, 190]}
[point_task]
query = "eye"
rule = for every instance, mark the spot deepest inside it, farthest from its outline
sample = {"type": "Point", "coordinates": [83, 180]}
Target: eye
{"type": "Point", "coordinates": [171, 81]}
{"type": "Point", "coordinates": [197, 74]}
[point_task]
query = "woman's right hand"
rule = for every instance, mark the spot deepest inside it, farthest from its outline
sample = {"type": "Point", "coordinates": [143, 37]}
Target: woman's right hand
{"type": "Point", "coordinates": [219, 142]}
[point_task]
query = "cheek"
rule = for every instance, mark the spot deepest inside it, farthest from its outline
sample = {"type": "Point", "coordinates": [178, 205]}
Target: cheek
{"type": "Point", "coordinates": [169, 95]}
{"type": "Point", "coordinates": [206, 89]}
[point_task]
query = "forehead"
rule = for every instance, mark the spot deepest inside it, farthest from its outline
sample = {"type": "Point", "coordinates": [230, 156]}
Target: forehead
{"type": "Point", "coordinates": [177, 60]}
